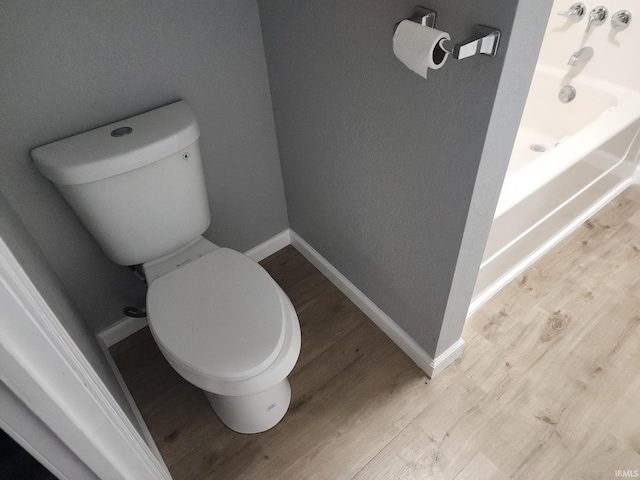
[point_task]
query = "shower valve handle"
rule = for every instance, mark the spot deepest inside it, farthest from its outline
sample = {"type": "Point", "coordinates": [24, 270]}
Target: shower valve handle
{"type": "Point", "coordinates": [621, 19]}
{"type": "Point", "coordinates": [575, 12]}
{"type": "Point", "coordinates": [597, 17]}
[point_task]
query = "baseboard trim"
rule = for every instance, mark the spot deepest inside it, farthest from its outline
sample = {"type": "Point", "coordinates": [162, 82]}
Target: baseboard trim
{"type": "Point", "coordinates": [447, 357]}
{"type": "Point", "coordinates": [121, 330]}
{"type": "Point", "coordinates": [269, 247]}
{"type": "Point", "coordinates": [635, 178]}
{"type": "Point", "coordinates": [397, 335]}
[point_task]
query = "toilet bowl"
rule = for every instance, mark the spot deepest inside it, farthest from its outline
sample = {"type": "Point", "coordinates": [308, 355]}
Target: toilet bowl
{"type": "Point", "coordinates": [225, 326]}
{"type": "Point", "coordinates": [217, 316]}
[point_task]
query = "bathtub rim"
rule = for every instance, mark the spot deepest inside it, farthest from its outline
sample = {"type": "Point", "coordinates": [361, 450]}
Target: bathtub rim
{"type": "Point", "coordinates": [525, 181]}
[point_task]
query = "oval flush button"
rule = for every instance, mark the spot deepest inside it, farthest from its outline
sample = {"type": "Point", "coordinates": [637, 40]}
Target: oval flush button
{"type": "Point", "coordinates": [121, 132]}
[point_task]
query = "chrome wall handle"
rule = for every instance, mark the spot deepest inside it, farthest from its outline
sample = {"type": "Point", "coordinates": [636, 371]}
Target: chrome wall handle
{"type": "Point", "coordinates": [597, 17]}
{"type": "Point", "coordinates": [621, 19]}
{"type": "Point", "coordinates": [575, 12]}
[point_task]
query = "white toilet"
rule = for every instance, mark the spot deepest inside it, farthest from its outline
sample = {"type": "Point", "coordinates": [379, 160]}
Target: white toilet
{"type": "Point", "coordinates": [217, 316]}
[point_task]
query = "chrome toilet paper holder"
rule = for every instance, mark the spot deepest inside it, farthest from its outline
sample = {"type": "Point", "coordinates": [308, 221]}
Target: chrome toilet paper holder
{"type": "Point", "coordinates": [485, 40]}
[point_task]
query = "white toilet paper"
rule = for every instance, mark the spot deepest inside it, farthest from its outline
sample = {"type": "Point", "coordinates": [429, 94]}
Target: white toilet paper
{"type": "Point", "coordinates": [419, 47]}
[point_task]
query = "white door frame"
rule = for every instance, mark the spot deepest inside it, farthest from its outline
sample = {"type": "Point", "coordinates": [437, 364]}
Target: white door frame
{"type": "Point", "coordinates": [52, 401]}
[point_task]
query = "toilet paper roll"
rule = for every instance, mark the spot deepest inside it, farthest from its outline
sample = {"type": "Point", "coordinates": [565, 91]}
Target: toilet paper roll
{"type": "Point", "coordinates": [420, 47]}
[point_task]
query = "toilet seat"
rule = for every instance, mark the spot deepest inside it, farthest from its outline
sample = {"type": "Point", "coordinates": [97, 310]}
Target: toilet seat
{"type": "Point", "coordinates": [219, 317]}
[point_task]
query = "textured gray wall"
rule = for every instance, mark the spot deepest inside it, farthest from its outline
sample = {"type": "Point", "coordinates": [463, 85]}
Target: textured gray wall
{"type": "Point", "coordinates": [524, 45]}
{"type": "Point", "coordinates": [35, 265]}
{"type": "Point", "coordinates": [72, 65]}
{"type": "Point", "coordinates": [379, 165]}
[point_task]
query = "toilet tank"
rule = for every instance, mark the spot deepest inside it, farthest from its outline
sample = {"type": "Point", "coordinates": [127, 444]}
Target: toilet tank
{"type": "Point", "coordinates": [137, 185]}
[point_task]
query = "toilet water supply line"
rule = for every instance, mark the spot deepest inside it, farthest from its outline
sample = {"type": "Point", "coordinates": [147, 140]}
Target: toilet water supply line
{"type": "Point", "coordinates": [135, 312]}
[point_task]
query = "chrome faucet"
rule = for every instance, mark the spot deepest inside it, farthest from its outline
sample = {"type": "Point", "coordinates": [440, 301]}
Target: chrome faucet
{"type": "Point", "coordinates": [581, 56]}
{"type": "Point", "coordinates": [597, 17]}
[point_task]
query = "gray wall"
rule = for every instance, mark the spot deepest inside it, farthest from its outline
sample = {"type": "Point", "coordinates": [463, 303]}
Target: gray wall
{"type": "Point", "coordinates": [524, 45]}
{"type": "Point", "coordinates": [70, 66]}
{"type": "Point", "coordinates": [379, 165]}
{"type": "Point", "coordinates": [37, 268]}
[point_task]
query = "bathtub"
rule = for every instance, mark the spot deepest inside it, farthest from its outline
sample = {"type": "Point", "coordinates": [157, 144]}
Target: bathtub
{"type": "Point", "coordinates": [591, 146]}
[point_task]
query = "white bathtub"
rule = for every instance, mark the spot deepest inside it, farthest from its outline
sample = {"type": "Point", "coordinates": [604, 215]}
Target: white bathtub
{"type": "Point", "coordinates": [592, 146]}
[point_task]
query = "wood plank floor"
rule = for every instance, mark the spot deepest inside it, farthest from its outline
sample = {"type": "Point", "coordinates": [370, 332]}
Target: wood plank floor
{"type": "Point", "coordinates": [548, 387]}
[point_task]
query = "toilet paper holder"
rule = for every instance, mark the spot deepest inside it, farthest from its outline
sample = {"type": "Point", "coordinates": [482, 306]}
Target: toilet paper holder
{"type": "Point", "coordinates": [485, 40]}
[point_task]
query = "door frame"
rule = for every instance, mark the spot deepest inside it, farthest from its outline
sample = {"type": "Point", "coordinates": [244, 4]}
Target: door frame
{"type": "Point", "coordinates": [52, 401]}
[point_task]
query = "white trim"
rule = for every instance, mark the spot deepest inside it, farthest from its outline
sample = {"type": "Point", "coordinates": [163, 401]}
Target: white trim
{"type": "Point", "coordinates": [447, 357]}
{"type": "Point", "coordinates": [270, 246]}
{"type": "Point", "coordinates": [531, 259]}
{"type": "Point", "coordinates": [382, 320]}
{"type": "Point", "coordinates": [121, 330]}
{"type": "Point", "coordinates": [32, 435]}
{"type": "Point", "coordinates": [48, 373]}
{"type": "Point", "coordinates": [635, 177]}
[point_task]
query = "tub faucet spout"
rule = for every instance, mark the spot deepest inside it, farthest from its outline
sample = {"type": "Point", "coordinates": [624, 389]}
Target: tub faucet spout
{"type": "Point", "coordinates": [581, 56]}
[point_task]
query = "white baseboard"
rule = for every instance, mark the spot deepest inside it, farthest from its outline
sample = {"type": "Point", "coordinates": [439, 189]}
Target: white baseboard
{"type": "Point", "coordinates": [447, 357]}
{"type": "Point", "coordinates": [635, 178]}
{"type": "Point", "coordinates": [397, 335]}
{"type": "Point", "coordinates": [121, 330]}
{"type": "Point", "coordinates": [270, 246]}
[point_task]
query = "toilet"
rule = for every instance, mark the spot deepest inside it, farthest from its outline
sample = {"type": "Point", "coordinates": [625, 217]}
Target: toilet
{"type": "Point", "coordinates": [217, 316]}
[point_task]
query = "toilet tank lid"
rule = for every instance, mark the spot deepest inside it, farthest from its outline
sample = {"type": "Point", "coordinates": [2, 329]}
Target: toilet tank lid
{"type": "Point", "coordinates": [118, 147]}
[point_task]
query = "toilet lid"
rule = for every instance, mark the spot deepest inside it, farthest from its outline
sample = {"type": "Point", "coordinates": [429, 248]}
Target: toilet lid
{"type": "Point", "coordinates": [221, 315]}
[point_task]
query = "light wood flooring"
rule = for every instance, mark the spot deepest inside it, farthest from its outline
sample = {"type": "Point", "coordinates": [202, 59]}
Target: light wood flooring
{"type": "Point", "coordinates": [548, 386]}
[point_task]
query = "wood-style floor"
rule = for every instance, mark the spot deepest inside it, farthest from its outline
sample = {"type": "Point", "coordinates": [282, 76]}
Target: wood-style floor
{"type": "Point", "coordinates": [548, 386]}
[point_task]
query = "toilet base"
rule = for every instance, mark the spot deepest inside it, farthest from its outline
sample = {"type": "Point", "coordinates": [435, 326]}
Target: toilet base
{"type": "Point", "coordinates": [252, 413]}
